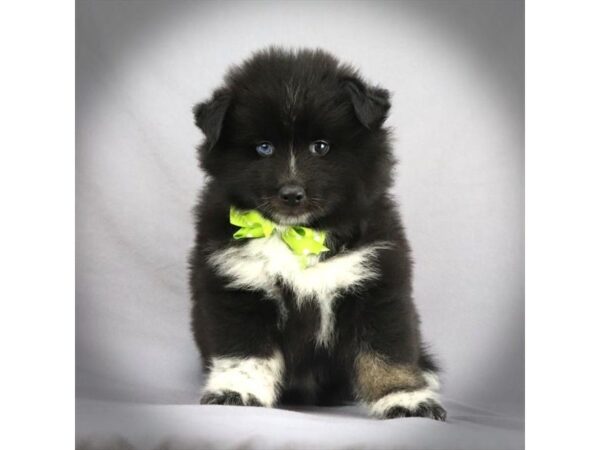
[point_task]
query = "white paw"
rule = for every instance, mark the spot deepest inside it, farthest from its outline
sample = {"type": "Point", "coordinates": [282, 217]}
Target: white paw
{"type": "Point", "coordinates": [419, 403]}
{"type": "Point", "coordinates": [244, 381]}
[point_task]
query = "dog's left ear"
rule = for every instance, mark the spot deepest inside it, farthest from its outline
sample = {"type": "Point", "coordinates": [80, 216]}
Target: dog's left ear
{"type": "Point", "coordinates": [371, 104]}
{"type": "Point", "coordinates": [209, 116]}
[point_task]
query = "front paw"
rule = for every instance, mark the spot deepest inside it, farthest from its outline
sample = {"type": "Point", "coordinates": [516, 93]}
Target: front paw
{"type": "Point", "coordinates": [419, 403]}
{"type": "Point", "coordinates": [227, 397]}
{"type": "Point", "coordinates": [430, 410]}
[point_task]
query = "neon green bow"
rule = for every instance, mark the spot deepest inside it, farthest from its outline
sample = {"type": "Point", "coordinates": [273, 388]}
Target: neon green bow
{"type": "Point", "coordinates": [302, 241]}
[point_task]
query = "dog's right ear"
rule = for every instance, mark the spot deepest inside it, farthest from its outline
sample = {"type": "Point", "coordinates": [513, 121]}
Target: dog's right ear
{"type": "Point", "coordinates": [209, 116]}
{"type": "Point", "coordinates": [371, 103]}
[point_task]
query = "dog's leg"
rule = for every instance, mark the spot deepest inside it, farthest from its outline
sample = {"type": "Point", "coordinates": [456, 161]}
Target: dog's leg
{"type": "Point", "coordinates": [393, 375]}
{"type": "Point", "coordinates": [396, 389]}
{"type": "Point", "coordinates": [244, 364]}
{"type": "Point", "coordinates": [250, 381]}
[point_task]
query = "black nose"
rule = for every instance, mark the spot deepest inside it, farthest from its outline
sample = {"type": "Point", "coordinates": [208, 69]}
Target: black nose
{"type": "Point", "coordinates": [292, 194]}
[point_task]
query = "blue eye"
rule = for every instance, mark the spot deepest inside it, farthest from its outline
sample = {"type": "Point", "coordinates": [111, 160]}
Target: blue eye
{"type": "Point", "coordinates": [265, 149]}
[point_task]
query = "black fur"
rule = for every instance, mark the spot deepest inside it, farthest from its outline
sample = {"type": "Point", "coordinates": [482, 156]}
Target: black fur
{"type": "Point", "coordinates": [292, 98]}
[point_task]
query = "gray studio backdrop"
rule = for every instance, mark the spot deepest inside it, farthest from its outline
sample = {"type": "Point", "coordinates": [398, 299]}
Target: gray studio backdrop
{"type": "Point", "coordinates": [455, 69]}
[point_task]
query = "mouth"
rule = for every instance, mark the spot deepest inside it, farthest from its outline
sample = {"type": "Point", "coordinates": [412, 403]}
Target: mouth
{"type": "Point", "coordinates": [291, 219]}
{"type": "Point", "coordinates": [283, 214]}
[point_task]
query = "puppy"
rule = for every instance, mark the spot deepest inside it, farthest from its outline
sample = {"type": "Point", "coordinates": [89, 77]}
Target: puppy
{"type": "Point", "coordinates": [301, 271]}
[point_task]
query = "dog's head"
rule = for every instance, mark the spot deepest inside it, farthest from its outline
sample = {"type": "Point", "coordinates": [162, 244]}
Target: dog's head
{"type": "Point", "coordinates": [297, 136]}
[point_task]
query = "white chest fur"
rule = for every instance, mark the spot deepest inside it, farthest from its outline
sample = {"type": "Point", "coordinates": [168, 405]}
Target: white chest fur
{"type": "Point", "coordinates": [261, 263]}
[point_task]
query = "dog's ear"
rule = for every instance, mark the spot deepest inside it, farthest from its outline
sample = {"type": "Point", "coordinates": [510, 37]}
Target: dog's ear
{"type": "Point", "coordinates": [209, 116]}
{"type": "Point", "coordinates": [371, 104]}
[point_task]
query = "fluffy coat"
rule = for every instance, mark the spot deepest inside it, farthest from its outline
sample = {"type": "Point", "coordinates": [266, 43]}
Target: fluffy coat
{"type": "Point", "coordinates": [345, 328]}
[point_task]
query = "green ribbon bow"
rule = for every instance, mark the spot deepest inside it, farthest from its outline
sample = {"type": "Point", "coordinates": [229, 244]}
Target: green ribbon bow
{"type": "Point", "coordinates": [302, 241]}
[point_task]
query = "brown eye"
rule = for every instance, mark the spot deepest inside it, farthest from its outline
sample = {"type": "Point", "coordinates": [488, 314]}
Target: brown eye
{"type": "Point", "coordinates": [319, 148]}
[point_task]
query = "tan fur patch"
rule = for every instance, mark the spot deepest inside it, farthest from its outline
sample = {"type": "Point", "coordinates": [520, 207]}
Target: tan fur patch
{"type": "Point", "coordinates": [375, 377]}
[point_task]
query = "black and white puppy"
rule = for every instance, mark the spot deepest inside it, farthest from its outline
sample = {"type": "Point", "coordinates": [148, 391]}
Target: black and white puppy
{"type": "Point", "coordinates": [299, 138]}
